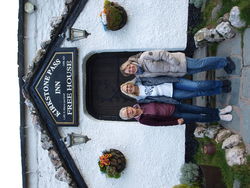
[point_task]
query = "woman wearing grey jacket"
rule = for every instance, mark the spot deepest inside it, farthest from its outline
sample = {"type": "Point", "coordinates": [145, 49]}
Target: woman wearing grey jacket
{"type": "Point", "coordinates": [170, 90]}
{"type": "Point", "coordinates": [163, 63]}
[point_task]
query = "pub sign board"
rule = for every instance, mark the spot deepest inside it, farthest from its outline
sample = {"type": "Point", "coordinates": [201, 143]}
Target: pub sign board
{"type": "Point", "coordinates": [55, 88]}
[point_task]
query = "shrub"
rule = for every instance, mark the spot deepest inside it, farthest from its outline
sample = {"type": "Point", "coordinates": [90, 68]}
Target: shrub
{"type": "Point", "coordinates": [189, 174]}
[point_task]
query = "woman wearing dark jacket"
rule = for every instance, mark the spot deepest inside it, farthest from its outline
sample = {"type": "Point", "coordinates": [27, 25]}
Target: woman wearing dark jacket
{"type": "Point", "coordinates": [168, 89]}
{"type": "Point", "coordinates": [162, 114]}
{"type": "Point", "coordinates": [163, 63]}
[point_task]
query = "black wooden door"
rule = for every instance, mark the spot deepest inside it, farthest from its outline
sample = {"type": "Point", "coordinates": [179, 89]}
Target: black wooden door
{"type": "Point", "coordinates": [103, 96]}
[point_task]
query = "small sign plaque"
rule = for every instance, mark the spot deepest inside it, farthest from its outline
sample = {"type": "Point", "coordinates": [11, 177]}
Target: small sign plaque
{"type": "Point", "coordinates": [56, 87]}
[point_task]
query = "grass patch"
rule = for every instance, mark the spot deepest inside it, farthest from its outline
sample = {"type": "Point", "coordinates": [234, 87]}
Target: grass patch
{"type": "Point", "coordinates": [245, 10]}
{"type": "Point", "coordinates": [218, 160]}
{"type": "Point", "coordinates": [239, 172]}
{"type": "Point", "coordinates": [212, 48]}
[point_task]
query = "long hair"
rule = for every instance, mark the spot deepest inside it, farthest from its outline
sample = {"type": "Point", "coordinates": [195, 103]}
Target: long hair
{"type": "Point", "coordinates": [128, 82]}
{"type": "Point", "coordinates": [131, 60]}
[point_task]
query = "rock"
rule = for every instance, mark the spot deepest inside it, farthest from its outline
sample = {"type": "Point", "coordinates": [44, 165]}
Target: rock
{"type": "Point", "coordinates": [231, 141]}
{"type": "Point", "coordinates": [205, 35]}
{"type": "Point", "coordinates": [226, 30]}
{"type": "Point", "coordinates": [63, 175]}
{"type": "Point", "coordinates": [55, 158]}
{"type": "Point", "coordinates": [39, 54]}
{"type": "Point", "coordinates": [222, 135]}
{"type": "Point", "coordinates": [56, 21]}
{"type": "Point", "coordinates": [225, 18]}
{"type": "Point", "coordinates": [46, 141]}
{"type": "Point", "coordinates": [52, 33]}
{"type": "Point", "coordinates": [234, 18]}
{"type": "Point", "coordinates": [30, 106]}
{"type": "Point", "coordinates": [72, 185]}
{"type": "Point", "coordinates": [199, 132]}
{"type": "Point", "coordinates": [45, 44]}
{"type": "Point", "coordinates": [211, 131]}
{"type": "Point", "coordinates": [236, 156]}
{"type": "Point", "coordinates": [68, 2]}
{"type": "Point", "coordinates": [65, 11]}
{"type": "Point", "coordinates": [36, 122]}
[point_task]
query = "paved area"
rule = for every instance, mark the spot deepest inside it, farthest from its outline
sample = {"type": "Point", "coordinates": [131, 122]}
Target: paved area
{"type": "Point", "coordinates": [238, 49]}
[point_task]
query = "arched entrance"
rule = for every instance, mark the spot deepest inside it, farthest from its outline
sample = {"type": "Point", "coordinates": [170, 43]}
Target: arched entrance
{"type": "Point", "coordinates": [103, 96]}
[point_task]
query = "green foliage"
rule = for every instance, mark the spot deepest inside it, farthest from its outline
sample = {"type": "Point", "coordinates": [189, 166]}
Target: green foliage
{"type": "Point", "coordinates": [114, 15]}
{"type": "Point", "coordinates": [189, 174]}
{"type": "Point", "coordinates": [244, 6]}
{"type": "Point", "coordinates": [107, 3]}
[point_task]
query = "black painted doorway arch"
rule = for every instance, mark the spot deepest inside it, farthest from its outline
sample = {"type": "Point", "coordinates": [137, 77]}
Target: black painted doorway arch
{"type": "Point", "coordinates": [103, 96]}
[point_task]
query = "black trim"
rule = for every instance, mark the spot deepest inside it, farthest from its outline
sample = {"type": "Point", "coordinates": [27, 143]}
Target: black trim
{"type": "Point", "coordinates": [56, 41]}
{"type": "Point", "coordinates": [21, 73]}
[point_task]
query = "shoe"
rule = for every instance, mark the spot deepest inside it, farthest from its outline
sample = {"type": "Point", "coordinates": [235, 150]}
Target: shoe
{"type": "Point", "coordinates": [230, 67]}
{"type": "Point", "coordinates": [226, 83]}
{"type": "Point", "coordinates": [225, 110]}
{"type": "Point", "coordinates": [227, 117]}
{"type": "Point", "coordinates": [226, 89]}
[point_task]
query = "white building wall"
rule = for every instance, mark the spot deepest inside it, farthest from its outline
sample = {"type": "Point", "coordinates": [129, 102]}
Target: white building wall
{"type": "Point", "coordinates": [154, 154]}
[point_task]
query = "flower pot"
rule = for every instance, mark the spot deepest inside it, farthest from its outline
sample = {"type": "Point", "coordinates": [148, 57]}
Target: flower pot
{"type": "Point", "coordinates": [113, 17]}
{"type": "Point", "coordinates": [209, 149]}
{"type": "Point", "coordinates": [212, 177]}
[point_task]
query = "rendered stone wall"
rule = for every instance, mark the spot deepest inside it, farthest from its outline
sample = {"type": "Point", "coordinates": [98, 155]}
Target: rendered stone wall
{"type": "Point", "coordinates": [154, 155]}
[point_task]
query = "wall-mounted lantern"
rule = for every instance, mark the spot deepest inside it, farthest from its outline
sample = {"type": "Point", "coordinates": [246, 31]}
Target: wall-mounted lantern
{"type": "Point", "coordinates": [29, 7]}
{"type": "Point", "coordinates": [73, 34]}
{"type": "Point", "coordinates": [75, 139]}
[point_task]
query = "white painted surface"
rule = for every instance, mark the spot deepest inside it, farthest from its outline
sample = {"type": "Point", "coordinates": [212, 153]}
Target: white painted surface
{"type": "Point", "coordinates": [154, 154]}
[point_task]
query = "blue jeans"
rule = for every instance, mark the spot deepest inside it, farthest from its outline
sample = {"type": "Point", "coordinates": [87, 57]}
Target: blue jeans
{"type": "Point", "coordinates": [205, 64]}
{"type": "Point", "coordinates": [191, 113]}
{"type": "Point", "coordinates": [186, 89]}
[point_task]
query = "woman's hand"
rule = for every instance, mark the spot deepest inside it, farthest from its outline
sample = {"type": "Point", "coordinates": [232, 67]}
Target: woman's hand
{"type": "Point", "coordinates": [180, 121]}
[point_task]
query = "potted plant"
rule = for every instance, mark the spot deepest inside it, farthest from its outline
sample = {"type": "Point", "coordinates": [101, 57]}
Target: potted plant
{"type": "Point", "coordinates": [112, 163]}
{"type": "Point", "coordinates": [113, 16]}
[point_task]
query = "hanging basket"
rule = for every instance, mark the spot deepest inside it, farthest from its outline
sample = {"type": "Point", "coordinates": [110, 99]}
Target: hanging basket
{"type": "Point", "coordinates": [113, 16]}
{"type": "Point", "coordinates": [112, 163]}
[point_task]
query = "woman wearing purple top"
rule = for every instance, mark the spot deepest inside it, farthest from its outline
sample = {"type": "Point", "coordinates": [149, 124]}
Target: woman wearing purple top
{"type": "Point", "coordinates": [162, 114]}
